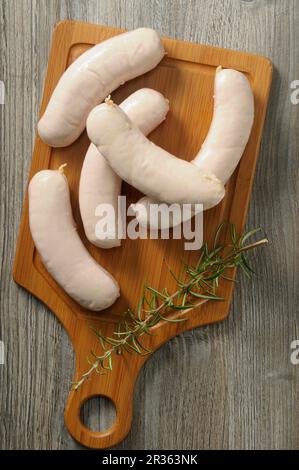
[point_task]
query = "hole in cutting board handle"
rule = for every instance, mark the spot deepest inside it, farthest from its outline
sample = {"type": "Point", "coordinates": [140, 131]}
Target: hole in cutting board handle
{"type": "Point", "coordinates": [98, 413]}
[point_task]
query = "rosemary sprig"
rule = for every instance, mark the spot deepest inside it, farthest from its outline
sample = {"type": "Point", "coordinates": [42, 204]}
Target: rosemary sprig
{"type": "Point", "coordinates": [197, 285]}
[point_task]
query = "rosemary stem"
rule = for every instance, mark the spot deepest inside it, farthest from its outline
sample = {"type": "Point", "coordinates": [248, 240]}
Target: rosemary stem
{"type": "Point", "coordinates": [211, 267]}
{"type": "Point", "coordinates": [264, 241]}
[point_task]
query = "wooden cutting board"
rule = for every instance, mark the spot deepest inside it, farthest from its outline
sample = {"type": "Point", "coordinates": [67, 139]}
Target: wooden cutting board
{"type": "Point", "coordinates": [185, 76]}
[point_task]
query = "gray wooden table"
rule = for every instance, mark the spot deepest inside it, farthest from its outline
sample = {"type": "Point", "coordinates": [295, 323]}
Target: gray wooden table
{"type": "Point", "coordinates": [226, 386]}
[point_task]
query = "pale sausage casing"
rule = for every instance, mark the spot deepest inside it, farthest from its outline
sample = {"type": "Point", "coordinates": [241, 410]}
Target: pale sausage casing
{"type": "Point", "coordinates": [99, 184]}
{"type": "Point", "coordinates": [228, 135]}
{"type": "Point", "coordinates": [231, 125]}
{"type": "Point", "coordinates": [55, 236]}
{"type": "Point", "coordinates": [146, 166]}
{"type": "Point", "coordinates": [94, 75]}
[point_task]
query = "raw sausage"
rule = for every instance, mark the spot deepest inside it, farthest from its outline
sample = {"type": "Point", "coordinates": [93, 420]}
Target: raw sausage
{"type": "Point", "coordinates": [228, 134]}
{"type": "Point", "coordinates": [99, 184]}
{"type": "Point", "coordinates": [54, 233]}
{"type": "Point", "coordinates": [89, 79]}
{"type": "Point", "coordinates": [231, 124]}
{"type": "Point", "coordinates": [146, 166]}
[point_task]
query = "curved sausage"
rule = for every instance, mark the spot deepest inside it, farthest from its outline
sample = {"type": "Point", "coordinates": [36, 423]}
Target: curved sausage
{"type": "Point", "coordinates": [228, 135]}
{"type": "Point", "coordinates": [146, 166]}
{"type": "Point", "coordinates": [99, 184]}
{"type": "Point", "coordinates": [89, 79]}
{"type": "Point", "coordinates": [231, 125]}
{"type": "Point", "coordinates": [54, 233]}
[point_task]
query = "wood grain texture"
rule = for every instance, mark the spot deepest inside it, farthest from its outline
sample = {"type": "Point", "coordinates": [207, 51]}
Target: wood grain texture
{"type": "Point", "coordinates": [240, 389]}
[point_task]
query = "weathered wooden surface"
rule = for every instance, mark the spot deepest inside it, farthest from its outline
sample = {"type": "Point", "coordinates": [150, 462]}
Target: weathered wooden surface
{"type": "Point", "coordinates": [230, 385]}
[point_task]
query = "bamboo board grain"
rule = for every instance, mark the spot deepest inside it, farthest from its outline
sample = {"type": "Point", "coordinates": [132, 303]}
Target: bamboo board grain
{"type": "Point", "coordinates": [186, 77]}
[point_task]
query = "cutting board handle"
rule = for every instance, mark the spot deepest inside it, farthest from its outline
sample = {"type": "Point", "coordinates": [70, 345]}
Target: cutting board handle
{"type": "Point", "coordinates": [116, 385]}
{"type": "Point", "coordinates": [98, 439]}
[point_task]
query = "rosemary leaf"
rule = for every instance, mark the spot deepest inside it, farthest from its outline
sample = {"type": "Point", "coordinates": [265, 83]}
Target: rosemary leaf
{"type": "Point", "coordinates": [173, 320]}
{"type": "Point", "coordinates": [204, 296]}
{"type": "Point", "coordinates": [249, 235]}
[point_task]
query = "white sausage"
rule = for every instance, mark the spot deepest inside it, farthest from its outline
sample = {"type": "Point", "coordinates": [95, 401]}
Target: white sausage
{"type": "Point", "coordinates": [228, 134]}
{"type": "Point", "coordinates": [55, 236]}
{"type": "Point", "coordinates": [89, 79]}
{"type": "Point", "coordinates": [99, 184]}
{"type": "Point", "coordinates": [231, 124]}
{"type": "Point", "coordinates": [146, 166]}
